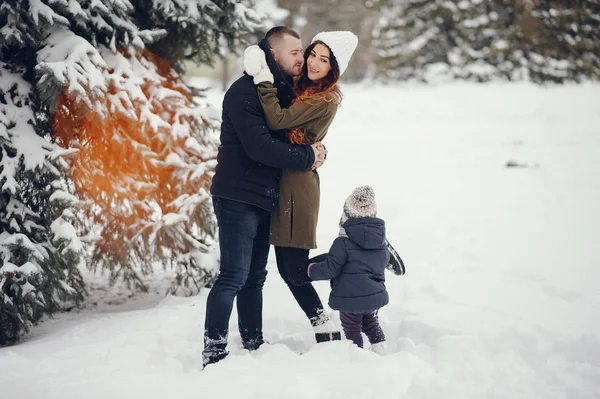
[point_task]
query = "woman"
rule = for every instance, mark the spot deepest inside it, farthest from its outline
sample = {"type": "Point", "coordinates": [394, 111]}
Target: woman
{"type": "Point", "coordinates": [294, 224]}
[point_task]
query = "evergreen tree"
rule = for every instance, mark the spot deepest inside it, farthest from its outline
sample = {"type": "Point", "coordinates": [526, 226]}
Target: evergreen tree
{"type": "Point", "coordinates": [197, 31]}
{"type": "Point", "coordinates": [485, 30]}
{"type": "Point", "coordinates": [145, 146]}
{"type": "Point", "coordinates": [40, 252]}
{"type": "Point", "coordinates": [485, 39]}
{"type": "Point", "coordinates": [560, 40]}
{"type": "Point", "coordinates": [144, 164]}
{"type": "Point", "coordinates": [136, 147]}
{"type": "Point", "coordinates": [416, 38]}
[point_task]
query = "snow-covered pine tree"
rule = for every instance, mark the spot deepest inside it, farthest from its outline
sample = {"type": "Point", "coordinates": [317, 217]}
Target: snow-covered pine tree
{"type": "Point", "coordinates": [563, 39]}
{"type": "Point", "coordinates": [144, 166]}
{"type": "Point", "coordinates": [499, 40]}
{"type": "Point", "coordinates": [390, 40]}
{"type": "Point", "coordinates": [418, 39]}
{"type": "Point", "coordinates": [485, 27]}
{"type": "Point", "coordinates": [146, 147]}
{"type": "Point", "coordinates": [540, 40]}
{"type": "Point", "coordinates": [196, 31]}
{"type": "Point", "coordinates": [40, 251]}
{"type": "Point", "coordinates": [83, 62]}
{"type": "Point", "coordinates": [584, 37]}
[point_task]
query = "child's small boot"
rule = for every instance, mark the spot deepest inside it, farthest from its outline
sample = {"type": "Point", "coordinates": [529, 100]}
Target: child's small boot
{"type": "Point", "coordinates": [380, 348]}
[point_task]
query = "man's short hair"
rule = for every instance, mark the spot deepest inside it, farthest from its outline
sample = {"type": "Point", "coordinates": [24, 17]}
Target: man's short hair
{"type": "Point", "coordinates": [277, 33]}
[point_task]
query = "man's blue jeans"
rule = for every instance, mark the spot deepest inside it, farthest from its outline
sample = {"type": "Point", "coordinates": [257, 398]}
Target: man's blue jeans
{"type": "Point", "coordinates": [244, 245]}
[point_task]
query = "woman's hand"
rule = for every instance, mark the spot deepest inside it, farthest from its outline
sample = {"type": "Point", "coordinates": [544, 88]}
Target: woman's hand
{"type": "Point", "coordinates": [255, 65]}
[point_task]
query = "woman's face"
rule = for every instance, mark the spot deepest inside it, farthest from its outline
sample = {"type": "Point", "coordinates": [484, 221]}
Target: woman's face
{"type": "Point", "coordinates": [318, 65]}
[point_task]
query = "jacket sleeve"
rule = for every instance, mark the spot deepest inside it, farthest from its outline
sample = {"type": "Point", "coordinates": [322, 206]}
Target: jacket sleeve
{"type": "Point", "coordinates": [297, 115]}
{"type": "Point", "coordinates": [246, 115]}
{"type": "Point", "coordinates": [333, 265]}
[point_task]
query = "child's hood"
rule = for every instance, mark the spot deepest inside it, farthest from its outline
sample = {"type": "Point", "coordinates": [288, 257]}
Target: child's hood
{"type": "Point", "coordinates": [368, 233]}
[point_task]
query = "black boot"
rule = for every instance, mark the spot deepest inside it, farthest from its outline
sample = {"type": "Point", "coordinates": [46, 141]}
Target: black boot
{"type": "Point", "coordinates": [212, 358]}
{"type": "Point", "coordinates": [325, 329]}
{"type": "Point", "coordinates": [328, 336]}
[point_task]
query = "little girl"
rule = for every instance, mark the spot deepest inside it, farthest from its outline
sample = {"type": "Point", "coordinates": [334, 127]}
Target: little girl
{"type": "Point", "coordinates": [356, 265]}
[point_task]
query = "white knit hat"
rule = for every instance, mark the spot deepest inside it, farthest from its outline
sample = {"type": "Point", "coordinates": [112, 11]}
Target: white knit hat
{"type": "Point", "coordinates": [342, 45]}
{"type": "Point", "coordinates": [360, 204]}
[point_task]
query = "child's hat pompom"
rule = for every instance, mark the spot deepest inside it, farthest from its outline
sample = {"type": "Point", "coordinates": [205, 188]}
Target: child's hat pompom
{"type": "Point", "coordinates": [361, 203]}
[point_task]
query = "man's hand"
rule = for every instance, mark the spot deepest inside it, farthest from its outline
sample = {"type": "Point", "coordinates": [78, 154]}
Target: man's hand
{"type": "Point", "coordinates": [320, 154]}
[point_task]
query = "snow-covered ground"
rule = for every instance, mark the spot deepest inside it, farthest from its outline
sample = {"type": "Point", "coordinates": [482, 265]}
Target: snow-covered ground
{"type": "Point", "coordinates": [501, 295]}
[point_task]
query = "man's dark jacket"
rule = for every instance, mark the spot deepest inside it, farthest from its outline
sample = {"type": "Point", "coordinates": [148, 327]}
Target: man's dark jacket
{"type": "Point", "coordinates": [250, 156]}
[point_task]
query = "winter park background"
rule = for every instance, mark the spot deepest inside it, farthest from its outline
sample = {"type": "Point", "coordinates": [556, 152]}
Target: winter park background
{"type": "Point", "coordinates": [476, 122]}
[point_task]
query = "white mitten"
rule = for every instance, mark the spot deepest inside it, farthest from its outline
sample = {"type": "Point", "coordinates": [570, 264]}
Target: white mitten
{"type": "Point", "coordinates": [253, 57]}
{"type": "Point", "coordinates": [264, 75]}
{"type": "Point", "coordinates": [255, 64]}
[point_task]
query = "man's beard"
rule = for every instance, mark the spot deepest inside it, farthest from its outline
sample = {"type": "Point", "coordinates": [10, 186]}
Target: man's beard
{"type": "Point", "coordinates": [291, 72]}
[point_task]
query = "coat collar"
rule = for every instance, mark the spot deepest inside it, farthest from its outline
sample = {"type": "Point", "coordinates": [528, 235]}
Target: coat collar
{"type": "Point", "coordinates": [283, 84]}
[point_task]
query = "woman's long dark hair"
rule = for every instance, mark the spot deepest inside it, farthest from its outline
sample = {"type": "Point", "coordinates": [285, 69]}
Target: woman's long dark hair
{"type": "Point", "coordinates": [315, 92]}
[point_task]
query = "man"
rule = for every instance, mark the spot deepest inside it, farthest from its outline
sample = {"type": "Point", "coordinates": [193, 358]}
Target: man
{"type": "Point", "coordinates": [245, 189]}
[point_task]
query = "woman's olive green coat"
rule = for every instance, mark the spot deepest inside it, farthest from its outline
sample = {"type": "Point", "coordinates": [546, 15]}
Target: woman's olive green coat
{"type": "Point", "coordinates": [294, 224]}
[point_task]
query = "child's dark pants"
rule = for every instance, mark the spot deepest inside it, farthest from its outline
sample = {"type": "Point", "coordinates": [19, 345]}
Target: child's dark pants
{"type": "Point", "coordinates": [368, 322]}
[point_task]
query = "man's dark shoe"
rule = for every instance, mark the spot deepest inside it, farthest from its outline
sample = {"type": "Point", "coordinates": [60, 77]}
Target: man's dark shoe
{"type": "Point", "coordinates": [253, 345]}
{"type": "Point", "coordinates": [212, 358]}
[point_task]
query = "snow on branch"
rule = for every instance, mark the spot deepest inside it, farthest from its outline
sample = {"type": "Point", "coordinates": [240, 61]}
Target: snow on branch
{"type": "Point", "coordinates": [74, 63]}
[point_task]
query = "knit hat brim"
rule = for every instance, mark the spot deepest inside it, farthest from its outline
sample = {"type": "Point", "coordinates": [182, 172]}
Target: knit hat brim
{"type": "Point", "coordinates": [341, 43]}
